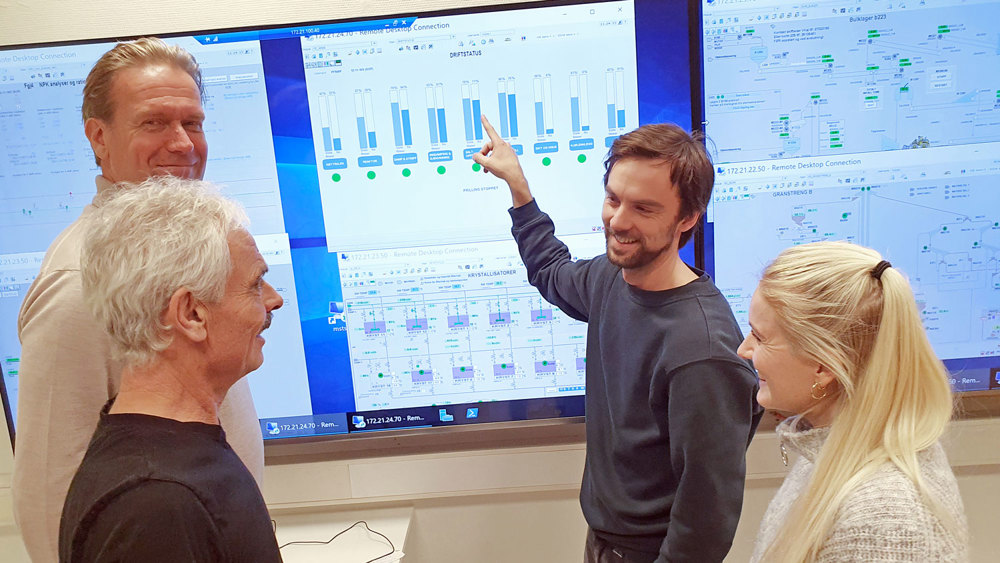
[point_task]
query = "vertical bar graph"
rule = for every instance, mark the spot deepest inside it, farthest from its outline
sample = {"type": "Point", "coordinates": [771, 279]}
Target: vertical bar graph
{"type": "Point", "coordinates": [329, 123]}
{"type": "Point", "coordinates": [477, 111]}
{"type": "Point", "coordinates": [620, 96]}
{"type": "Point", "coordinates": [359, 111]}
{"type": "Point", "coordinates": [400, 117]}
{"type": "Point", "coordinates": [616, 98]}
{"type": "Point", "coordinates": [547, 90]}
{"type": "Point", "coordinates": [539, 115]}
{"type": "Point", "coordinates": [584, 104]}
{"type": "Point", "coordinates": [370, 118]}
{"type": "Point", "coordinates": [467, 109]}
{"type": "Point", "coordinates": [511, 107]}
{"type": "Point", "coordinates": [471, 110]}
{"type": "Point", "coordinates": [543, 105]}
{"type": "Point", "coordinates": [397, 121]}
{"type": "Point", "coordinates": [442, 124]}
{"type": "Point", "coordinates": [502, 104]}
{"type": "Point", "coordinates": [574, 101]}
{"type": "Point", "coordinates": [610, 93]}
{"type": "Point", "coordinates": [432, 114]}
{"type": "Point", "coordinates": [404, 109]}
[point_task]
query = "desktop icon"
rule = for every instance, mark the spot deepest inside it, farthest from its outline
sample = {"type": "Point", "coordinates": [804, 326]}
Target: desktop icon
{"type": "Point", "coordinates": [359, 421]}
{"type": "Point", "coordinates": [472, 412]}
{"type": "Point", "coordinates": [445, 416]}
{"type": "Point", "coordinates": [273, 429]}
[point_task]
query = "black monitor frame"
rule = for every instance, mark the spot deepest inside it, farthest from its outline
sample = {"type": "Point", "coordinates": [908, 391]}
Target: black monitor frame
{"type": "Point", "coordinates": [512, 433]}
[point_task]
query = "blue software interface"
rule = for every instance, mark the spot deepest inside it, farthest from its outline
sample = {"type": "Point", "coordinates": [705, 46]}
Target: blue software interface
{"type": "Point", "coordinates": [406, 303]}
{"type": "Point", "coordinates": [873, 121]}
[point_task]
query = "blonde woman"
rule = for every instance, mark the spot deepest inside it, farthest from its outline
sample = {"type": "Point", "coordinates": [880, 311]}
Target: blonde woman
{"type": "Point", "coordinates": [837, 340]}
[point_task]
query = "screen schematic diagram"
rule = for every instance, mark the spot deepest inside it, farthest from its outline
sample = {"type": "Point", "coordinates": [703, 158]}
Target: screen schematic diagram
{"type": "Point", "coordinates": [457, 324]}
{"type": "Point", "coordinates": [816, 83]}
{"type": "Point", "coordinates": [934, 214]}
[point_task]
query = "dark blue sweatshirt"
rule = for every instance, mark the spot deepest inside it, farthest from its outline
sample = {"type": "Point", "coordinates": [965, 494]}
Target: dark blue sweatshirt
{"type": "Point", "coordinates": [670, 406]}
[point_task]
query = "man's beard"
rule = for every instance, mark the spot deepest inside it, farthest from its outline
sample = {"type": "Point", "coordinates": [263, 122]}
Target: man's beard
{"type": "Point", "coordinates": [641, 256]}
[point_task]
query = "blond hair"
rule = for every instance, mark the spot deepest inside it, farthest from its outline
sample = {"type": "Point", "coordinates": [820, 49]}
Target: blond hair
{"type": "Point", "coordinates": [145, 242]}
{"type": "Point", "coordinates": [893, 399]}
{"type": "Point", "coordinates": [146, 51]}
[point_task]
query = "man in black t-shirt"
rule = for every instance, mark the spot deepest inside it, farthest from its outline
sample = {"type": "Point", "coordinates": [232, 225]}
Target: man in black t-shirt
{"type": "Point", "coordinates": [173, 276]}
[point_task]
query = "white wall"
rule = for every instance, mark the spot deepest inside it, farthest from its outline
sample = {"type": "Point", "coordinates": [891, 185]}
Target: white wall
{"type": "Point", "coordinates": [520, 504]}
{"type": "Point", "coordinates": [489, 504]}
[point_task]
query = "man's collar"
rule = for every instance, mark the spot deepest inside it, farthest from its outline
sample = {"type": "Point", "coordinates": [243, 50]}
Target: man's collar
{"type": "Point", "coordinates": [103, 184]}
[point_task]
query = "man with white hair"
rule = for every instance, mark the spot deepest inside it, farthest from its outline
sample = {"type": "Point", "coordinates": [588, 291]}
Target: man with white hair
{"type": "Point", "coordinates": [142, 113]}
{"type": "Point", "coordinates": [171, 274]}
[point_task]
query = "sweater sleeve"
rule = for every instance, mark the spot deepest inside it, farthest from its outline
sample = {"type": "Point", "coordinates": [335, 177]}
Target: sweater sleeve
{"type": "Point", "coordinates": [551, 270]}
{"type": "Point", "coordinates": [710, 416]}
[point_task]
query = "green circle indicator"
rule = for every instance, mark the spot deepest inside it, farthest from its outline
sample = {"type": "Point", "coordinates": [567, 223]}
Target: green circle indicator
{"type": "Point", "coordinates": [421, 372]}
{"type": "Point", "coordinates": [381, 375]}
{"type": "Point", "coordinates": [406, 172]}
{"type": "Point", "coordinates": [476, 167]}
{"type": "Point", "coordinates": [545, 362]}
{"type": "Point", "coordinates": [581, 158]}
{"type": "Point", "coordinates": [461, 368]}
{"type": "Point", "coordinates": [335, 177]}
{"type": "Point", "coordinates": [546, 161]}
{"type": "Point", "coordinates": [442, 169]}
{"type": "Point", "coordinates": [925, 247]}
{"type": "Point", "coordinates": [371, 174]}
{"type": "Point", "coordinates": [944, 228]}
{"type": "Point", "coordinates": [844, 215]}
{"type": "Point", "coordinates": [503, 366]}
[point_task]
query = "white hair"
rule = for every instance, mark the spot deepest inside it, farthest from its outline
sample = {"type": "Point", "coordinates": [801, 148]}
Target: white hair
{"type": "Point", "coordinates": [145, 242]}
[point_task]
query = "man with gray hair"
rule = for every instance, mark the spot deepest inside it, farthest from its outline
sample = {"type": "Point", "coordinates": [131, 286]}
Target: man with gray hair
{"type": "Point", "coordinates": [173, 277]}
{"type": "Point", "coordinates": [142, 112]}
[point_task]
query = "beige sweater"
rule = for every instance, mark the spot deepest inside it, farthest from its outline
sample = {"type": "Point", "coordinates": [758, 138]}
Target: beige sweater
{"type": "Point", "coordinates": [883, 519]}
{"type": "Point", "coordinates": [66, 376]}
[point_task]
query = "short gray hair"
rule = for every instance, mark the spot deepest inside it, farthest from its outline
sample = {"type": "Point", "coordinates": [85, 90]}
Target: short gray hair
{"type": "Point", "coordinates": [143, 243]}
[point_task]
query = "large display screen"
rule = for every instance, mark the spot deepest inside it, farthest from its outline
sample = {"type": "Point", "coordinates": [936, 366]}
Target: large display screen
{"type": "Point", "coordinates": [873, 121]}
{"type": "Point", "coordinates": [350, 143]}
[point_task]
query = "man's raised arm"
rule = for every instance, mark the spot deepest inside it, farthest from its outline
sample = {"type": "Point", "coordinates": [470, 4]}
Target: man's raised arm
{"type": "Point", "coordinates": [498, 158]}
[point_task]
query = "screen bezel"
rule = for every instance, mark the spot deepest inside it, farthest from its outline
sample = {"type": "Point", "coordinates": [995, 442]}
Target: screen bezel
{"type": "Point", "coordinates": [497, 434]}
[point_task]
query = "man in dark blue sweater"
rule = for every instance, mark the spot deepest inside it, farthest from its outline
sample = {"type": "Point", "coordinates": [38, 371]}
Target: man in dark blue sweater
{"type": "Point", "coordinates": [670, 406]}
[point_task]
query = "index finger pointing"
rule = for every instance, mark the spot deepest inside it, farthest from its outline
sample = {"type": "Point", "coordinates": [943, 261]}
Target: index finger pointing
{"type": "Point", "coordinates": [489, 128]}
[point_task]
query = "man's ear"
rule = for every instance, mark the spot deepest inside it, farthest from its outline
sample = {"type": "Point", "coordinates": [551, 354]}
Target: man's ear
{"type": "Point", "coordinates": [96, 131]}
{"type": "Point", "coordinates": [187, 316]}
{"type": "Point", "coordinates": [687, 224]}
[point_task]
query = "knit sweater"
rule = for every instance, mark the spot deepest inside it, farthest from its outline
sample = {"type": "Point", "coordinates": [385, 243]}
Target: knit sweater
{"type": "Point", "coordinates": [883, 518]}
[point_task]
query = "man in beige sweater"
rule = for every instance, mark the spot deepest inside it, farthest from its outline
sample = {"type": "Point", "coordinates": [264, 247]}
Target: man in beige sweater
{"type": "Point", "coordinates": [142, 112]}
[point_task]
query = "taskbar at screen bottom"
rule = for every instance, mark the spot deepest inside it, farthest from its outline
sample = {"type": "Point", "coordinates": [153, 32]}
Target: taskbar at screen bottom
{"type": "Point", "coordinates": [421, 417]}
{"type": "Point", "coordinates": [974, 374]}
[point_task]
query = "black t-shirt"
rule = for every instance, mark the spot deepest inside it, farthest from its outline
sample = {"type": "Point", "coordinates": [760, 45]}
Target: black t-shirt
{"type": "Point", "coordinates": [154, 489]}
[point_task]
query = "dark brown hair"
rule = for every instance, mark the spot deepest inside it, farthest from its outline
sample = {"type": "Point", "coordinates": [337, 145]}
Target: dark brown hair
{"type": "Point", "coordinates": [691, 169]}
